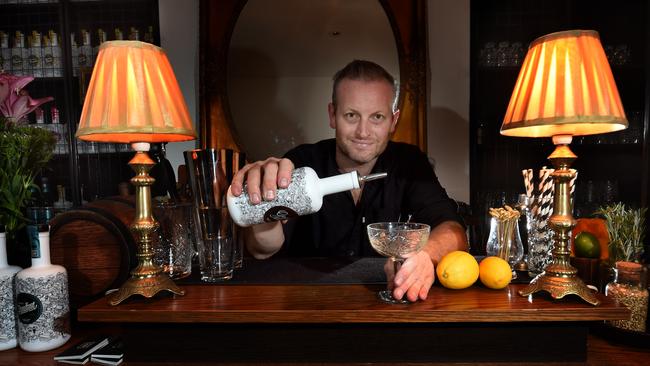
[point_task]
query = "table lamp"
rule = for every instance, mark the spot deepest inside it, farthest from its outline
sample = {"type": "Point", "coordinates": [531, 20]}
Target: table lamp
{"type": "Point", "coordinates": [565, 88]}
{"type": "Point", "coordinates": [133, 97]}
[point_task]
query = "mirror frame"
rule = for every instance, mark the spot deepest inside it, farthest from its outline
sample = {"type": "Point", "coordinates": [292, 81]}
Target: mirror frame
{"type": "Point", "coordinates": [217, 22]}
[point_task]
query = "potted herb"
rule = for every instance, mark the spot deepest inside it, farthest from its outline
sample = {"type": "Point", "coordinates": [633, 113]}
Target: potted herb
{"type": "Point", "coordinates": [626, 229]}
{"type": "Point", "coordinates": [23, 150]}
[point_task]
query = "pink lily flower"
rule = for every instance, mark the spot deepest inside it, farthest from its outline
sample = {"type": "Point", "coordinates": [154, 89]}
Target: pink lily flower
{"type": "Point", "coordinates": [15, 103]}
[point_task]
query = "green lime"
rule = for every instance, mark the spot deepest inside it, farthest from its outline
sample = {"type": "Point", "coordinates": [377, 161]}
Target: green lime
{"type": "Point", "coordinates": [587, 245]}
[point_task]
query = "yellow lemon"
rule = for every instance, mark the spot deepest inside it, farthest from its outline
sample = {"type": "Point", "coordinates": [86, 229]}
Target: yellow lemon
{"type": "Point", "coordinates": [495, 272]}
{"type": "Point", "coordinates": [457, 270]}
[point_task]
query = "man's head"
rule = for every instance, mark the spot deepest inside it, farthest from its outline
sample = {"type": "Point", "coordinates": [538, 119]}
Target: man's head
{"type": "Point", "coordinates": [363, 113]}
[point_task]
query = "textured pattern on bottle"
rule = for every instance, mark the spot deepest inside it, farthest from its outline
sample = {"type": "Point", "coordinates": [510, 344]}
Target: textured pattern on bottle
{"type": "Point", "coordinates": [7, 319]}
{"type": "Point", "coordinates": [294, 197]}
{"type": "Point", "coordinates": [43, 308]}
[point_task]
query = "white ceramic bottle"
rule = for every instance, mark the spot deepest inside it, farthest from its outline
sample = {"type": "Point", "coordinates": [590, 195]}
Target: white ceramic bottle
{"type": "Point", "coordinates": [43, 309]}
{"type": "Point", "coordinates": [7, 317]}
{"type": "Point", "coordinates": [303, 196]}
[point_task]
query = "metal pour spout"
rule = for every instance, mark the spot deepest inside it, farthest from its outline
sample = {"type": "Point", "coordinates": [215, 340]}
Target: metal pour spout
{"type": "Point", "coordinates": [369, 177]}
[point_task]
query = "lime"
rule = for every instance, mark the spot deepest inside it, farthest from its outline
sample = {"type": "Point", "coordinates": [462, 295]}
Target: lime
{"type": "Point", "coordinates": [587, 245]}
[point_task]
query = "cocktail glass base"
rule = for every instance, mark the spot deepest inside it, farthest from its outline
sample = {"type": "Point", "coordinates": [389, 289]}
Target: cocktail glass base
{"type": "Point", "coordinates": [387, 296]}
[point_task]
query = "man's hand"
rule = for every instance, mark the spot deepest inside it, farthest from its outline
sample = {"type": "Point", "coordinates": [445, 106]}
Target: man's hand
{"type": "Point", "coordinates": [414, 278]}
{"type": "Point", "coordinates": [262, 176]}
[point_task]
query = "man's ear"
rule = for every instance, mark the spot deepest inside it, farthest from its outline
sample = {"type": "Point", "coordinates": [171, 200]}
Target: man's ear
{"type": "Point", "coordinates": [331, 111]}
{"type": "Point", "coordinates": [394, 121]}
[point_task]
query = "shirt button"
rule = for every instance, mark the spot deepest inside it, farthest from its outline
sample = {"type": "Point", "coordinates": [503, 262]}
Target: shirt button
{"type": "Point", "coordinates": [351, 253]}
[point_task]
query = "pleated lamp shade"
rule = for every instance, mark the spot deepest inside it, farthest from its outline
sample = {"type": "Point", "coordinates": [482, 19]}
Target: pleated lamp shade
{"type": "Point", "coordinates": [133, 96]}
{"type": "Point", "coordinates": [565, 87]}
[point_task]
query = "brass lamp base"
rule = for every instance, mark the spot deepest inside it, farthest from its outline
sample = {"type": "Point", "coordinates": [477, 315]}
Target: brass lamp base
{"type": "Point", "coordinates": [560, 278]}
{"type": "Point", "coordinates": [147, 287]}
{"type": "Point", "coordinates": [147, 279]}
{"type": "Point", "coordinates": [558, 287]}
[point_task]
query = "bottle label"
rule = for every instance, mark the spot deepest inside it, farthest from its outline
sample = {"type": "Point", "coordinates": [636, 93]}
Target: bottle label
{"type": "Point", "coordinates": [279, 213]}
{"type": "Point", "coordinates": [34, 241]}
{"type": "Point", "coordinates": [29, 309]}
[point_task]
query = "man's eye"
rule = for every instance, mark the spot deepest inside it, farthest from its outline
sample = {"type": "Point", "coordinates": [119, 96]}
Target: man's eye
{"type": "Point", "coordinates": [350, 115]}
{"type": "Point", "coordinates": [378, 117]}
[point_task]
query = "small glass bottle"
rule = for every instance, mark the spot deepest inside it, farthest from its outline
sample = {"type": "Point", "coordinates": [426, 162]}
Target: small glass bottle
{"type": "Point", "coordinates": [628, 288]}
{"type": "Point", "coordinates": [7, 314]}
{"type": "Point", "coordinates": [303, 196]}
{"type": "Point", "coordinates": [504, 241]}
{"type": "Point", "coordinates": [43, 308]}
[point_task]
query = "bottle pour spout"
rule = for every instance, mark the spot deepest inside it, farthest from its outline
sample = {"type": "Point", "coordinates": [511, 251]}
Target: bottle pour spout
{"type": "Point", "coordinates": [369, 177]}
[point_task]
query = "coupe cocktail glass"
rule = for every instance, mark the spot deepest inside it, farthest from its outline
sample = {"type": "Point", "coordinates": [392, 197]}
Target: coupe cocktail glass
{"type": "Point", "coordinates": [397, 241]}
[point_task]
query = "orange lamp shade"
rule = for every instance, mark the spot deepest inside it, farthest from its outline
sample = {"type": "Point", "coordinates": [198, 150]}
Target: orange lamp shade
{"type": "Point", "coordinates": [565, 87]}
{"type": "Point", "coordinates": [133, 96]}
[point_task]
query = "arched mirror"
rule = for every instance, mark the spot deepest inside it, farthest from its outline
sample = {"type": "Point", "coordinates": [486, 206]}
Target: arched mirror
{"type": "Point", "coordinates": [266, 67]}
{"type": "Point", "coordinates": [281, 60]}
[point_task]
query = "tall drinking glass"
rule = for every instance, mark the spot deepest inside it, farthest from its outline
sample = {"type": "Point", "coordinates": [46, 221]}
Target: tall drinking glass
{"type": "Point", "coordinates": [213, 224]}
{"type": "Point", "coordinates": [397, 241]}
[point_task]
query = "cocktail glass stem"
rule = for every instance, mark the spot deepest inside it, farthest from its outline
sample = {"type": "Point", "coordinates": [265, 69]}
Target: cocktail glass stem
{"type": "Point", "coordinates": [387, 295]}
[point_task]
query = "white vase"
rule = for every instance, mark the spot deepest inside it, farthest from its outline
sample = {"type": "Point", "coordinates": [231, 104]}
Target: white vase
{"type": "Point", "coordinates": [42, 303]}
{"type": "Point", "coordinates": [7, 314]}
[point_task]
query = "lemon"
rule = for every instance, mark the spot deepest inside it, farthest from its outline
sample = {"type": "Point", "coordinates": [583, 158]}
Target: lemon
{"type": "Point", "coordinates": [495, 272]}
{"type": "Point", "coordinates": [457, 270]}
{"type": "Point", "coordinates": [586, 245]}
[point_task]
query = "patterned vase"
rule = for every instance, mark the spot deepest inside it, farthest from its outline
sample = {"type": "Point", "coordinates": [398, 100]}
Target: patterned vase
{"type": "Point", "coordinates": [42, 298]}
{"type": "Point", "coordinates": [7, 317]}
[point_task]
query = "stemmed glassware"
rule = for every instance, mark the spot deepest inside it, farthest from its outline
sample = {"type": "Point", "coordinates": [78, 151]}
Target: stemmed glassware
{"type": "Point", "coordinates": [397, 241]}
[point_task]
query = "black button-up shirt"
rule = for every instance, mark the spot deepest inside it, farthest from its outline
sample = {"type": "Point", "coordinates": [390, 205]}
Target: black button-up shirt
{"type": "Point", "coordinates": [339, 228]}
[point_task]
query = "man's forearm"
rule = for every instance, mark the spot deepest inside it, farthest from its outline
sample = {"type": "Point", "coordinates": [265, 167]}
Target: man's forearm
{"type": "Point", "coordinates": [264, 240]}
{"type": "Point", "coordinates": [444, 238]}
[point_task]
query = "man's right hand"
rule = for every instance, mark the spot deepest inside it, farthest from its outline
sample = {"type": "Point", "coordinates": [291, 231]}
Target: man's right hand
{"type": "Point", "coordinates": [263, 178]}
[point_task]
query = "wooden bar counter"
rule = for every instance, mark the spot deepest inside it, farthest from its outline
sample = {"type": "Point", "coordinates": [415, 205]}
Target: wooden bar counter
{"type": "Point", "coordinates": [246, 322]}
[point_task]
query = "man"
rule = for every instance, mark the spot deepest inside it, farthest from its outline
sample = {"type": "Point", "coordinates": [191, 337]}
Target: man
{"type": "Point", "coordinates": [363, 113]}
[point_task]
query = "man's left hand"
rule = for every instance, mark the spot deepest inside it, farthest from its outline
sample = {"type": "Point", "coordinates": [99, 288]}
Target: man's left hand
{"type": "Point", "coordinates": [414, 278]}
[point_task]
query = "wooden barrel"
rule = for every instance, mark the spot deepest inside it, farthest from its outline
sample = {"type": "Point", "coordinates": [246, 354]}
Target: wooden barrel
{"type": "Point", "coordinates": [95, 245]}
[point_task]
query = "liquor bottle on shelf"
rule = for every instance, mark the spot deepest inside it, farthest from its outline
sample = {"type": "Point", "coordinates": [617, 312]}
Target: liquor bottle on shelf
{"type": "Point", "coordinates": [52, 55]}
{"type": "Point", "coordinates": [61, 204]}
{"type": "Point", "coordinates": [74, 49]}
{"type": "Point", "coordinates": [82, 188]}
{"type": "Point", "coordinates": [39, 117]}
{"type": "Point", "coordinates": [42, 299]}
{"type": "Point", "coordinates": [119, 36]}
{"type": "Point", "coordinates": [46, 193]}
{"type": "Point", "coordinates": [134, 34]}
{"type": "Point", "coordinates": [35, 58]}
{"type": "Point", "coordinates": [303, 196]}
{"type": "Point", "coordinates": [8, 319]}
{"type": "Point", "coordinates": [148, 35]}
{"type": "Point", "coordinates": [48, 58]}
{"type": "Point", "coordinates": [101, 38]}
{"type": "Point", "coordinates": [85, 50]}
{"type": "Point", "coordinates": [18, 54]}
{"type": "Point", "coordinates": [60, 130]}
{"type": "Point", "coordinates": [5, 53]}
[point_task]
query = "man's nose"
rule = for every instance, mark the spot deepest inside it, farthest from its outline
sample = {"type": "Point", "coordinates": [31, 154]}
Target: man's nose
{"type": "Point", "coordinates": [363, 128]}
